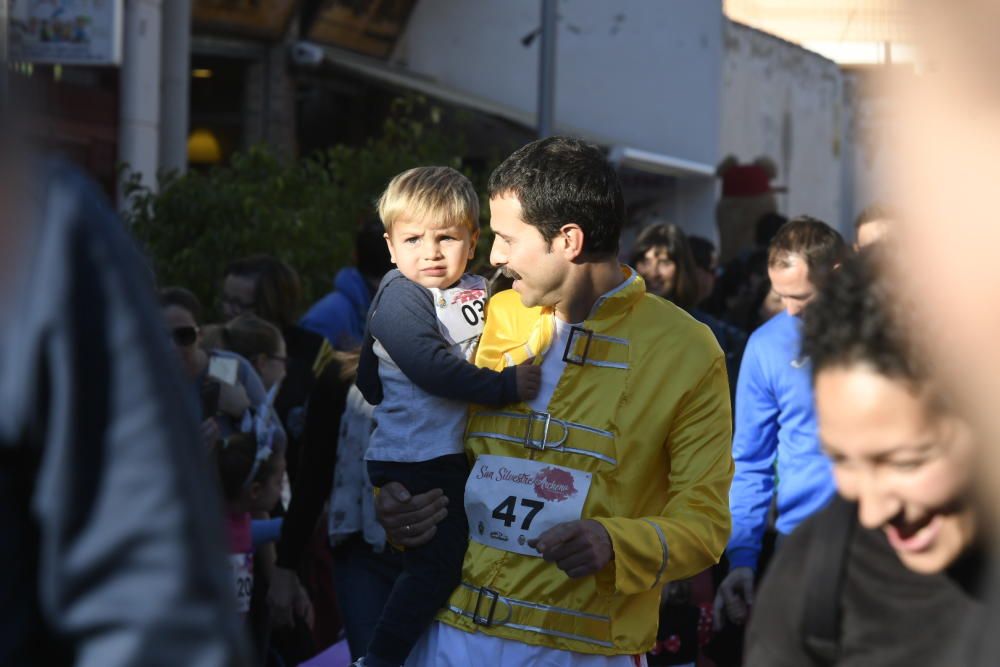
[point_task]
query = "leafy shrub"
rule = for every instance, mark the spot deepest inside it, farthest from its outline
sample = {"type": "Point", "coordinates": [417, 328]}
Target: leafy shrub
{"type": "Point", "coordinates": [304, 211]}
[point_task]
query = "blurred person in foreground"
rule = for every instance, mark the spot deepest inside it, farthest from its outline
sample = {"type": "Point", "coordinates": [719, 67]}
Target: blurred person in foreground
{"type": "Point", "coordinates": [873, 225]}
{"type": "Point", "coordinates": [889, 573]}
{"type": "Point", "coordinates": [775, 447]}
{"type": "Point", "coordinates": [952, 117]}
{"type": "Point", "coordinates": [112, 534]}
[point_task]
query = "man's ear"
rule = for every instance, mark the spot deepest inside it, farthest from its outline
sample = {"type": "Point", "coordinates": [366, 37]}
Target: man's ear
{"type": "Point", "coordinates": [570, 240]}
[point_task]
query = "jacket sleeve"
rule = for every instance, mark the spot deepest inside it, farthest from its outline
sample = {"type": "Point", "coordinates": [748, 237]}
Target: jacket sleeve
{"type": "Point", "coordinates": [689, 533]}
{"type": "Point", "coordinates": [405, 324]}
{"type": "Point", "coordinates": [755, 447]}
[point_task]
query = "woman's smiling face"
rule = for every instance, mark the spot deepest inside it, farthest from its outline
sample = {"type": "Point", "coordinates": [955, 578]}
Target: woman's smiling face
{"type": "Point", "coordinates": [907, 463]}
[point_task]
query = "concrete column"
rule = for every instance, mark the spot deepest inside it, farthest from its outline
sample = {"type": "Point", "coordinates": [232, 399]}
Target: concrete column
{"type": "Point", "coordinates": [547, 70]}
{"type": "Point", "coordinates": [139, 116]}
{"type": "Point", "coordinates": [4, 22]}
{"type": "Point", "coordinates": [175, 98]}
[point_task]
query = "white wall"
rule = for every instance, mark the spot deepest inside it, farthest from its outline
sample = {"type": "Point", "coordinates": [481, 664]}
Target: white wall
{"type": "Point", "coordinates": [785, 102]}
{"type": "Point", "coordinates": [865, 169]}
{"type": "Point", "coordinates": [644, 73]}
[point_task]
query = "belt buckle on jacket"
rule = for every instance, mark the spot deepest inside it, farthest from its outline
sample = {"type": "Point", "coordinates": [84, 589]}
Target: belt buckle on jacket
{"type": "Point", "coordinates": [493, 597]}
{"type": "Point", "coordinates": [546, 419]}
{"type": "Point", "coordinates": [568, 352]}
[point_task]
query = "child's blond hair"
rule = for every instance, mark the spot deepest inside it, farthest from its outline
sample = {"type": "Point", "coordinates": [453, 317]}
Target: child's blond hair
{"type": "Point", "coordinates": [438, 196]}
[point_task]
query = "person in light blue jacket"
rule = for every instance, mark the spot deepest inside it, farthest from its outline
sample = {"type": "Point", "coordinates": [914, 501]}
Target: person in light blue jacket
{"type": "Point", "coordinates": [775, 444]}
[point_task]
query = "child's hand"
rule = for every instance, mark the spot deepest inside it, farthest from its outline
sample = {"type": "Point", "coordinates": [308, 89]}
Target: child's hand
{"type": "Point", "coordinates": [529, 379]}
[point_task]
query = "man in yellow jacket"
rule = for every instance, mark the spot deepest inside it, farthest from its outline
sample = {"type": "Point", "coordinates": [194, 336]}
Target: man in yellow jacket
{"type": "Point", "coordinates": [585, 502]}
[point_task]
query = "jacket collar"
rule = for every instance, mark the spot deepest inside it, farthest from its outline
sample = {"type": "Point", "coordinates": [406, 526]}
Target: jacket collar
{"type": "Point", "coordinates": [619, 301]}
{"type": "Point", "coordinates": [607, 311]}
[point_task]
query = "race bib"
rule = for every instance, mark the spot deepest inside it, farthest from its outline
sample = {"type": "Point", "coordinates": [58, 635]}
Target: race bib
{"type": "Point", "coordinates": [461, 310]}
{"type": "Point", "coordinates": [242, 567]}
{"type": "Point", "coordinates": [510, 501]}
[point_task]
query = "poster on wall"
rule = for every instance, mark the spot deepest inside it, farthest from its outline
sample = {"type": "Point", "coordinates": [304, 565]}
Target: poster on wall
{"type": "Point", "coordinates": [66, 32]}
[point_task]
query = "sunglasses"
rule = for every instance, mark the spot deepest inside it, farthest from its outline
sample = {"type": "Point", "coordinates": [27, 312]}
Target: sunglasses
{"type": "Point", "coordinates": [184, 336]}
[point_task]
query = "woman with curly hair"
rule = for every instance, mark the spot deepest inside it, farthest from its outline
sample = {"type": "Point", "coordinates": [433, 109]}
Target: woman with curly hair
{"type": "Point", "coordinates": [888, 573]}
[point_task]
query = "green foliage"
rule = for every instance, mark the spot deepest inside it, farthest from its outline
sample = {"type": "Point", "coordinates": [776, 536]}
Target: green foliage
{"type": "Point", "coordinates": [304, 211]}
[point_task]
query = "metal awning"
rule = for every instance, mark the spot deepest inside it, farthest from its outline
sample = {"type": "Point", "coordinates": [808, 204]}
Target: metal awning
{"type": "Point", "coordinates": [658, 163]}
{"type": "Point", "coordinates": [309, 54]}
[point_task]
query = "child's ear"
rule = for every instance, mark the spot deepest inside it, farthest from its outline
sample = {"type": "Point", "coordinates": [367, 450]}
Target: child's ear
{"type": "Point", "coordinates": [473, 241]}
{"type": "Point", "coordinates": [388, 243]}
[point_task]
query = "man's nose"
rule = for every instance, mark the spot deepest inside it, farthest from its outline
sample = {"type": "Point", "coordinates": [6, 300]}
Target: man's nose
{"type": "Point", "coordinates": [497, 258]}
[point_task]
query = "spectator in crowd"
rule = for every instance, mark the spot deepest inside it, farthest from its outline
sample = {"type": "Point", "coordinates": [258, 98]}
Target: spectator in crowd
{"type": "Point", "coordinates": [112, 544]}
{"type": "Point", "coordinates": [706, 265]}
{"type": "Point", "coordinates": [364, 569]}
{"type": "Point", "coordinates": [250, 472]}
{"type": "Point", "coordinates": [663, 258]}
{"type": "Point", "coordinates": [339, 316]}
{"type": "Point", "coordinates": [231, 391]}
{"type": "Point", "coordinates": [270, 289]}
{"type": "Point", "coordinates": [254, 339]}
{"type": "Point", "coordinates": [766, 228]}
{"type": "Point", "coordinates": [775, 420]}
{"type": "Point", "coordinates": [872, 225]}
{"type": "Point", "coordinates": [888, 574]}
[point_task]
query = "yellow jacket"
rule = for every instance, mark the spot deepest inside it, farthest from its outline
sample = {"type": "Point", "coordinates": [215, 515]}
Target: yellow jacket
{"type": "Point", "coordinates": [648, 415]}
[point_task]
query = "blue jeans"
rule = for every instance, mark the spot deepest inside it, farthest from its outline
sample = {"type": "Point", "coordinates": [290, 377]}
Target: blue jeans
{"type": "Point", "coordinates": [363, 580]}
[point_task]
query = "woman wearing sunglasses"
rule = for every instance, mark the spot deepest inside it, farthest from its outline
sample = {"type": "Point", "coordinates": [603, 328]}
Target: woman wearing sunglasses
{"type": "Point", "coordinates": [888, 573]}
{"type": "Point", "coordinates": [228, 385]}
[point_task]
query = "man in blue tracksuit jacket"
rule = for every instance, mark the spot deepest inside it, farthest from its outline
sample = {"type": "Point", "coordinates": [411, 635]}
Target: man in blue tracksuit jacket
{"type": "Point", "coordinates": [774, 414]}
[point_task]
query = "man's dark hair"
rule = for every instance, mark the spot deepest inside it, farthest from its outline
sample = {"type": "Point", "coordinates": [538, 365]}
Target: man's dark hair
{"type": "Point", "coordinates": [702, 252]}
{"type": "Point", "coordinates": [560, 180]}
{"type": "Point", "coordinates": [181, 298]}
{"type": "Point", "coordinates": [857, 318]}
{"type": "Point", "coordinates": [277, 290]}
{"type": "Point", "coordinates": [817, 243]}
{"type": "Point", "coordinates": [875, 212]}
{"type": "Point", "coordinates": [767, 228]}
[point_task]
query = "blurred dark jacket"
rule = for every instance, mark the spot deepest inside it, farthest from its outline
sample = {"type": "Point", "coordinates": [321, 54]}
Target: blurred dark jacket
{"type": "Point", "coordinates": [111, 536]}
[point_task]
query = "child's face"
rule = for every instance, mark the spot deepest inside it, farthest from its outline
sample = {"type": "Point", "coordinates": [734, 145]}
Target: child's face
{"type": "Point", "coordinates": [266, 494]}
{"type": "Point", "coordinates": [272, 367]}
{"type": "Point", "coordinates": [431, 257]}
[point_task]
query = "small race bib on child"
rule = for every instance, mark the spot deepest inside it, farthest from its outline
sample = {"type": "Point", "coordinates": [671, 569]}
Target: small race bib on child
{"type": "Point", "coordinates": [510, 501]}
{"type": "Point", "coordinates": [461, 310]}
{"type": "Point", "coordinates": [242, 567]}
